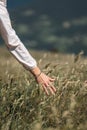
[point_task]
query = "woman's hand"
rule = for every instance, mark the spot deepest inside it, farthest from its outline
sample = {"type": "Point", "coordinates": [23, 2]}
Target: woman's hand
{"type": "Point", "coordinates": [45, 81]}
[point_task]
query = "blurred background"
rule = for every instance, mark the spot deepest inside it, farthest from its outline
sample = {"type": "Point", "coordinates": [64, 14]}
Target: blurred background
{"type": "Point", "coordinates": [50, 25]}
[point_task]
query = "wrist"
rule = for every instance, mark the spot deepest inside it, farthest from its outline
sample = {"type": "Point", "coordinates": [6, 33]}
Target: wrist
{"type": "Point", "coordinates": [36, 72]}
{"type": "Point", "coordinates": [37, 76]}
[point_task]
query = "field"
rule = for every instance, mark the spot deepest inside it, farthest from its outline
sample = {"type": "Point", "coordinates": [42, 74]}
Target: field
{"type": "Point", "coordinates": [23, 104]}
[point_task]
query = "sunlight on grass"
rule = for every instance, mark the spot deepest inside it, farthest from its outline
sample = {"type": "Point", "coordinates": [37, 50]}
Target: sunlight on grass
{"type": "Point", "coordinates": [23, 104]}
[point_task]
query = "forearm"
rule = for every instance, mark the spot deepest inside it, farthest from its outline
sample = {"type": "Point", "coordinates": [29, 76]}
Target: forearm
{"type": "Point", "coordinates": [26, 60]}
{"type": "Point", "coordinates": [12, 41]}
{"type": "Point", "coordinates": [23, 56]}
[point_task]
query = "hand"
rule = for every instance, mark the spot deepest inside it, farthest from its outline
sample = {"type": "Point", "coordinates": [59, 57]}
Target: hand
{"type": "Point", "coordinates": [46, 83]}
{"type": "Point", "coordinates": [44, 80]}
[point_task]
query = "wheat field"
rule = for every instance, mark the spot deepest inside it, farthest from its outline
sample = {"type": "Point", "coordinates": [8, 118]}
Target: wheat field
{"type": "Point", "coordinates": [23, 104]}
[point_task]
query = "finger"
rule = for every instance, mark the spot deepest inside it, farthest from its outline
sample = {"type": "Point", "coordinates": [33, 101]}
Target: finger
{"type": "Point", "coordinates": [86, 81]}
{"type": "Point", "coordinates": [51, 79]}
{"type": "Point", "coordinates": [45, 89]}
{"type": "Point", "coordinates": [52, 87]}
{"type": "Point", "coordinates": [51, 90]}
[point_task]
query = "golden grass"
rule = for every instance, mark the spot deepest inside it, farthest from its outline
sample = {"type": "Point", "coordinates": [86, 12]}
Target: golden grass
{"type": "Point", "coordinates": [23, 104]}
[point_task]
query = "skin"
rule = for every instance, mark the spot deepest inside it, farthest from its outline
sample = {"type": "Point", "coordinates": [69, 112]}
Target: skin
{"type": "Point", "coordinates": [45, 81]}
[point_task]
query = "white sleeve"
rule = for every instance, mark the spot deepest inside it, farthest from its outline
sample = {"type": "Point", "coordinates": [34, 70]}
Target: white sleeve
{"type": "Point", "coordinates": [23, 56]}
{"type": "Point", "coordinates": [15, 46]}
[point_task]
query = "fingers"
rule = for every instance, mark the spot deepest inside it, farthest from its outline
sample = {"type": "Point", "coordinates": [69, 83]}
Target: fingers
{"type": "Point", "coordinates": [45, 89]}
{"type": "Point", "coordinates": [86, 81]}
{"type": "Point", "coordinates": [51, 79]}
{"type": "Point", "coordinates": [49, 87]}
{"type": "Point", "coordinates": [52, 87]}
{"type": "Point", "coordinates": [46, 83]}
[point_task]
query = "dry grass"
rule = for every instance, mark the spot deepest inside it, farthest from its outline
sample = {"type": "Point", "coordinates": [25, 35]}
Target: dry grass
{"type": "Point", "coordinates": [24, 106]}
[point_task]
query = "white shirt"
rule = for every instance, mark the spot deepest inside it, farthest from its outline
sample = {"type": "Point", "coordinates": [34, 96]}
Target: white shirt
{"type": "Point", "coordinates": [15, 46]}
{"type": "Point", "coordinates": [3, 2]}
